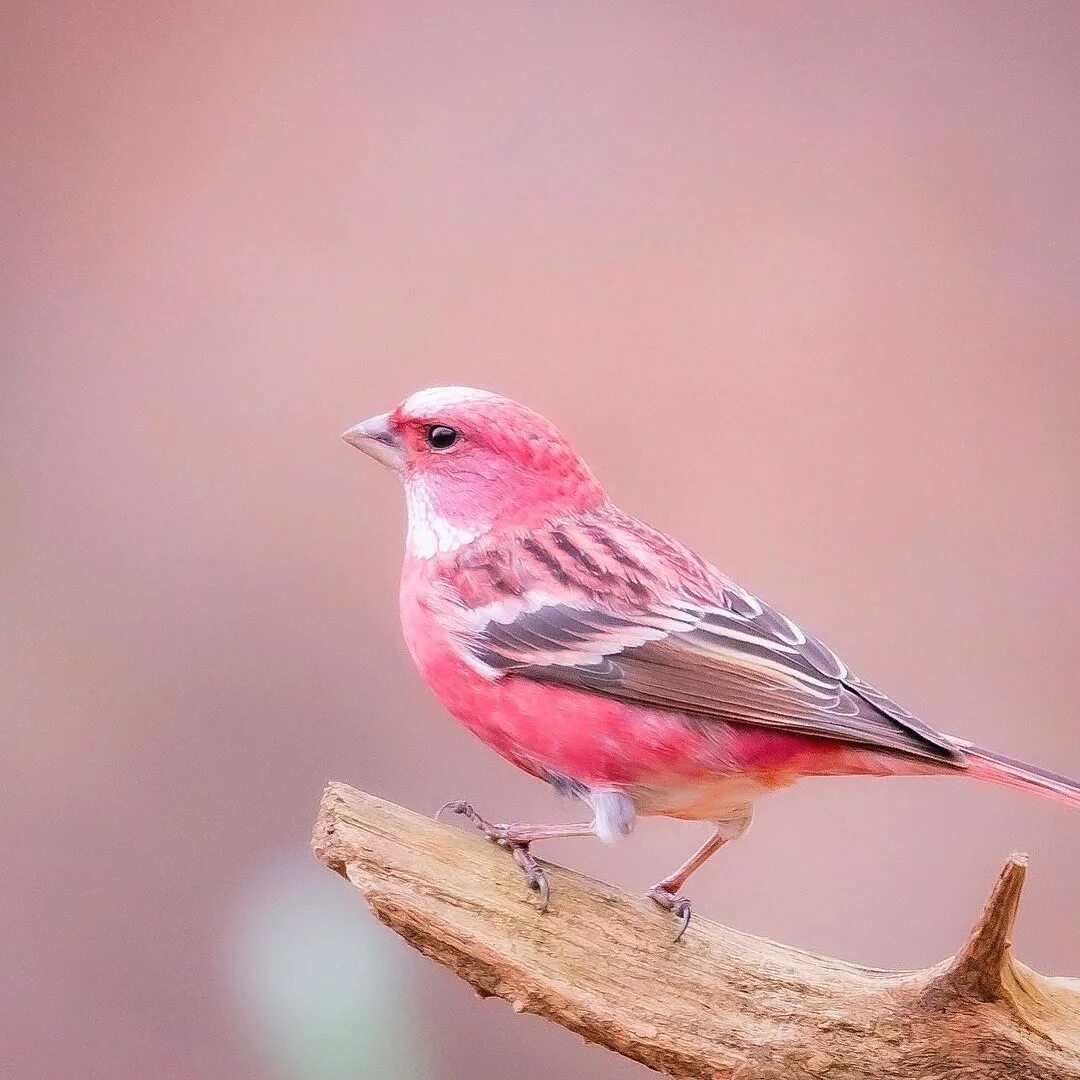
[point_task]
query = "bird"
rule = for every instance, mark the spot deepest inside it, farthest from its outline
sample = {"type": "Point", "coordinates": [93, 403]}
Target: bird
{"type": "Point", "coordinates": [607, 659]}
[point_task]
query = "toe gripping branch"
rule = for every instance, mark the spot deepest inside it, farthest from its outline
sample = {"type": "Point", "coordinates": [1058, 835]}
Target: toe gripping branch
{"type": "Point", "coordinates": [679, 906]}
{"type": "Point", "coordinates": [503, 835]}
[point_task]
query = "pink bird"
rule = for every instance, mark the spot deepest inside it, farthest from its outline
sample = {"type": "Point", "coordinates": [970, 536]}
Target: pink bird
{"type": "Point", "coordinates": [600, 655]}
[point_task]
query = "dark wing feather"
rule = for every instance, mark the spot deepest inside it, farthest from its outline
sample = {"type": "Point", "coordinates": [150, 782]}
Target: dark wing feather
{"type": "Point", "coordinates": [741, 662]}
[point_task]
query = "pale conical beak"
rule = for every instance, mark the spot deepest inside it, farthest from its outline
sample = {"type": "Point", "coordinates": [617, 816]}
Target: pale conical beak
{"type": "Point", "coordinates": [375, 438]}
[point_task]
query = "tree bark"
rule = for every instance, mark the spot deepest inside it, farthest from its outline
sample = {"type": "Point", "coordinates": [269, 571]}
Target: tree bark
{"type": "Point", "coordinates": [718, 1003]}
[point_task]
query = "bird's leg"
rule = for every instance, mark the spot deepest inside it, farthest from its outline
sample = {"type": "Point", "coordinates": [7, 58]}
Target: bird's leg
{"type": "Point", "coordinates": [666, 892]}
{"type": "Point", "coordinates": [516, 838]}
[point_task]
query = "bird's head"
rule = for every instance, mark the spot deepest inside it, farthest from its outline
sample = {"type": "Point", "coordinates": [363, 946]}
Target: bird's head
{"type": "Point", "coordinates": [473, 462]}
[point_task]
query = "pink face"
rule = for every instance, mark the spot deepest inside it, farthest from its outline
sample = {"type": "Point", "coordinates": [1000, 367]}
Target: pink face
{"type": "Point", "coordinates": [472, 461]}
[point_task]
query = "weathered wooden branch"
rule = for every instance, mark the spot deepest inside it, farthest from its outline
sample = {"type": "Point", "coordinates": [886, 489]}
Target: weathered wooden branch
{"type": "Point", "coordinates": [717, 1004]}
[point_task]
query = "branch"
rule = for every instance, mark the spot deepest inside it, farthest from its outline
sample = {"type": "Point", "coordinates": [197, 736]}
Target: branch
{"type": "Point", "coordinates": [717, 1004]}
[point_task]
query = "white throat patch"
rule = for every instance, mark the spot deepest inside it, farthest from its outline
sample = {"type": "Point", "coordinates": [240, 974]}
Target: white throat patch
{"type": "Point", "coordinates": [430, 534]}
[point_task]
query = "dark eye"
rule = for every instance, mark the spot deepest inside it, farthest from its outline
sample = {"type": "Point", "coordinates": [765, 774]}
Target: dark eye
{"type": "Point", "coordinates": [440, 437]}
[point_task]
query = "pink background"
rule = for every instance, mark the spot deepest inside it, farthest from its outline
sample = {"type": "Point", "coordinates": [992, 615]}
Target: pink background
{"type": "Point", "coordinates": [801, 279]}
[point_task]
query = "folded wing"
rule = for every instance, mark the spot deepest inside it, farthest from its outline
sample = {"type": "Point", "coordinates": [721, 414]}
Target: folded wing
{"type": "Point", "coordinates": [724, 656]}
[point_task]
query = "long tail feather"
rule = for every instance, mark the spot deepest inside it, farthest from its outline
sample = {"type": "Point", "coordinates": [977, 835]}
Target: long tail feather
{"type": "Point", "coordinates": [999, 769]}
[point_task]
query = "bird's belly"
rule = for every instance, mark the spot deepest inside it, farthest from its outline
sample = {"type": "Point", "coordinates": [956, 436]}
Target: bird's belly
{"type": "Point", "coordinates": [714, 799]}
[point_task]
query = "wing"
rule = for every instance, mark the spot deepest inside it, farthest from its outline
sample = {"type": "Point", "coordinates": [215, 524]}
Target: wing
{"type": "Point", "coordinates": [574, 614]}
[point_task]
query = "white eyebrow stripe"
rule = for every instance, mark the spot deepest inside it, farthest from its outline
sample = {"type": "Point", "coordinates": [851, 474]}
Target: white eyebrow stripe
{"type": "Point", "coordinates": [440, 397]}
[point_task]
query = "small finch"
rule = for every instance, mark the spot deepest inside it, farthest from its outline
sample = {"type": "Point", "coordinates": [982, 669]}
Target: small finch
{"type": "Point", "coordinates": [600, 655]}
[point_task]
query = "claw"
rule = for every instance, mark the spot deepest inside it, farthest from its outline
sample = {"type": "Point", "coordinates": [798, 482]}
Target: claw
{"type": "Point", "coordinates": [535, 878]}
{"type": "Point", "coordinates": [538, 881]}
{"type": "Point", "coordinates": [454, 806]}
{"type": "Point", "coordinates": [459, 806]}
{"type": "Point", "coordinates": [544, 889]}
{"type": "Point", "coordinates": [679, 906]}
{"type": "Point", "coordinates": [683, 910]}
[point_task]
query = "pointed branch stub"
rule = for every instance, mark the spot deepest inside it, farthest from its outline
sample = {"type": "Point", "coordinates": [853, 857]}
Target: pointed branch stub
{"type": "Point", "coordinates": [983, 968]}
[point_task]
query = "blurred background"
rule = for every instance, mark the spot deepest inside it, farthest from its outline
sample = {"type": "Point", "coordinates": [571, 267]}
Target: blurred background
{"type": "Point", "coordinates": [801, 279]}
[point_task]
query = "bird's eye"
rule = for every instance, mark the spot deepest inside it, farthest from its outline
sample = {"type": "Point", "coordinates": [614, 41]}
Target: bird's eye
{"type": "Point", "coordinates": [440, 437]}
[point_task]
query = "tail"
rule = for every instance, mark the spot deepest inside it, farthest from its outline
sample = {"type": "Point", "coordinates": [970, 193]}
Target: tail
{"type": "Point", "coordinates": [1007, 771]}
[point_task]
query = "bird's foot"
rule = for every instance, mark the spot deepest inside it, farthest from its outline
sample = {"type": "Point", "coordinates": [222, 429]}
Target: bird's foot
{"type": "Point", "coordinates": [506, 836]}
{"type": "Point", "coordinates": [535, 878]}
{"type": "Point", "coordinates": [679, 906]}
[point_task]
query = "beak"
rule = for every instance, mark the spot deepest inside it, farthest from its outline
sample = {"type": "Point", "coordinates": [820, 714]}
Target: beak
{"type": "Point", "coordinates": [375, 438]}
